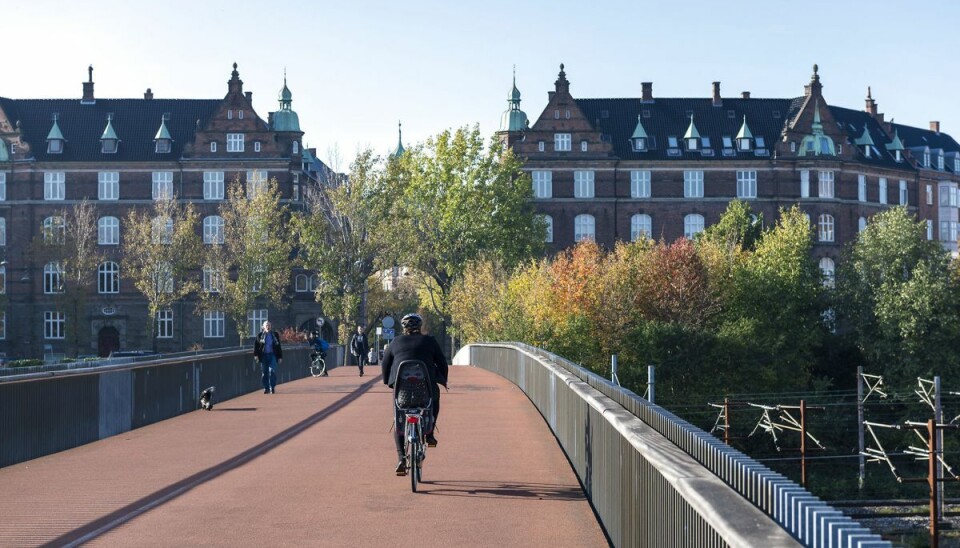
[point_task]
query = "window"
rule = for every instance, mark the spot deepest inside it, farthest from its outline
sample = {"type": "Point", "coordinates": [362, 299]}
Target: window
{"type": "Point", "coordinates": [256, 179]}
{"type": "Point", "coordinates": [213, 324]}
{"type": "Point", "coordinates": [692, 225]}
{"type": "Point", "coordinates": [256, 146]}
{"type": "Point", "coordinates": [639, 144]}
{"type": "Point", "coordinates": [826, 228]}
{"type": "Point", "coordinates": [804, 184]}
{"type": "Point", "coordinates": [639, 184]}
{"type": "Point", "coordinates": [561, 141]}
{"type": "Point", "coordinates": [163, 280]}
{"type": "Point", "coordinates": [212, 185]}
{"type": "Point", "coordinates": [542, 184]}
{"type": "Point", "coordinates": [301, 283]}
{"type": "Point", "coordinates": [827, 269]}
{"type": "Point", "coordinates": [672, 141]}
{"type": "Point", "coordinates": [3, 280]}
{"type": "Point", "coordinates": [213, 229]}
{"type": "Point", "coordinates": [883, 190]}
{"type": "Point", "coordinates": [255, 319]}
{"type": "Point", "coordinates": [108, 231]}
{"type": "Point", "coordinates": [583, 146]}
{"type": "Point", "coordinates": [54, 186]}
{"type": "Point", "coordinates": [566, 114]}
{"type": "Point", "coordinates": [54, 230]}
{"type": "Point", "coordinates": [296, 147]}
{"type": "Point", "coordinates": [52, 278]}
{"type": "Point", "coordinates": [826, 184]}
{"type": "Point", "coordinates": [929, 229]}
{"type": "Point", "coordinates": [584, 227]}
{"type": "Point", "coordinates": [213, 146]}
{"type": "Point", "coordinates": [108, 278]}
{"type": "Point", "coordinates": [862, 187]}
{"type": "Point", "coordinates": [948, 196]}
{"type": "Point", "coordinates": [212, 281]}
{"type": "Point", "coordinates": [929, 194]}
{"type": "Point", "coordinates": [229, 115]}
{"type": "Point", "coordinates": [640, 226]}
{"type": "Point", "coordinates": [55, 146]}
{"type": "Point", "coordinates": [540, 146]}
{"type": "Point", "coordinates": [108, 185]}
{"type": "Point", "coordinates": [693, 184]}
{"type": "Point", "coordinates": [861, 224]}
{"type": "Point", "coordinates": [3, 325]}
{"type": "Point", "coordinates": [53, 325]}
{"type": "Point", "coordinates": [926, 159]}
{"type": "Point", "coordinates": [549, 221]}
{"type": "Point", "coordinates": [727, 141]}
{"type": "Point", "coordinates": [556, 114]}
{"type": "Point", "coordinates": [903, 192]}
{"type": "Point", "coordinates": [3, 185]}
{"type": "Point", "coordinates": [3, 231]}
{"type": "Point", "coordinates": [746, 184]}
{"type": "Point", "coordinates": [948, 231]}
{"type": "Point", "coordinates": [234, 142]}
{"type": "Point", "coordinates": [761, 142]}
{"type": "Point", "coordinates": [108, 146]}
{"type": "Point", "coordinates": [163, 146]}
{"type": "Point", "coordinates": [583, 184]}
{"type": "Point", "coordinates": [162, 185]}
{"type": "Point", "coordinates": [940, 161]}
{"type": "Point", "coordinates": [165, 324]}
{"type": "Point", "coordinates": [240, 114]}
{"type": "Point", "coordinates": [162, 230]}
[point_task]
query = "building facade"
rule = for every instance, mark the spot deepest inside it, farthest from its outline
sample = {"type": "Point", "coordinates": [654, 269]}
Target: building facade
{"type": "Point", "coordinates": [121, 154]}
{"type": "Point", "coordinates": [616, 169]}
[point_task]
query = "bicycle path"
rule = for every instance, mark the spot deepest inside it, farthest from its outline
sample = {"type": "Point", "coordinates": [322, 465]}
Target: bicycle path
{"type": "Point", "coordinates": [311, 465]}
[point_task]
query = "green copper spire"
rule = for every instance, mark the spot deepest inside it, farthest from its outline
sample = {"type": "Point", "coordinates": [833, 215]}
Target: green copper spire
{"type": "Point", "coordinates": [744, 132]}
{"type": "Point", "coordinates": [285, 119]}
{"type": "Point", "coordinates": [514, 119]}
{"type": "Point", "coordinates": [639, 132]}
{"type": "Point", "coordinates": [162, 133]}
{"type": "Point", "coordinates": [108, 132]}
{"type": "Point", "coordinates": [692, 132]}
{"type": "Point", "coordinates": [55, 132]}
{"type": "Point", "coordinates": [399, 150]}
{"type": "Point", "coordinates": [817, 143]}
{"type": "Point", "coordinates": [896, 144]}
{"type": "Point", "coordinates": [865, 138]}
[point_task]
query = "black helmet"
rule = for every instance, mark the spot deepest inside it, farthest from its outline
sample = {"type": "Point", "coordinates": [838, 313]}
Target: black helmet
{"type": "Point", "coordinates": [411, 322]}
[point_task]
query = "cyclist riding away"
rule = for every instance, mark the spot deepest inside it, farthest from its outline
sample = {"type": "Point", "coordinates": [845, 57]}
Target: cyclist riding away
{"type": "Point", "coordinates": [320, 348]}
{"type": "Point", "coordinates": [414, 345]}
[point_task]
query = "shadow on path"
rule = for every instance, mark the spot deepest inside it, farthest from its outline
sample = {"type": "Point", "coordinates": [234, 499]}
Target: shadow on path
{"type": "Point", "coordinates": [492, 489]}
{"type": "Point", "coordinates": [92, 530]}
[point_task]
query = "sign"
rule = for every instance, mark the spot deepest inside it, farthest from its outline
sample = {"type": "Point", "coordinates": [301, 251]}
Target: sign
{"type": "Point", "coordinates": [387, 321]}
{"type": "Point", "coordinates": [379, 331]}
{"type": "Point", "coordinates": [388, 334]}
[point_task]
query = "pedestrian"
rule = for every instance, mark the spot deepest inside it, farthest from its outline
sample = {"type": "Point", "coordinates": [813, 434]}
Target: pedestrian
{"type": "Point", "coordinates": [359, 348]}
{"type": "Point", "coordinates": [269, 353]}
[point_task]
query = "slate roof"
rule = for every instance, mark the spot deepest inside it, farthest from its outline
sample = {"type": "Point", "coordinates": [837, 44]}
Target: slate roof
{"type": "Point", "coordinates": [852, 123]}
{"type": "Point", "coordinates": [135, 121]}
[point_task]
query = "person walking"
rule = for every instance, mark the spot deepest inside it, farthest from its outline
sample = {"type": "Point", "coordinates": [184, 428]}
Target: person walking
{"type": "Point", "coordinates": [269, 353]}
{"type": "Point", "coordinates": [359, 347]}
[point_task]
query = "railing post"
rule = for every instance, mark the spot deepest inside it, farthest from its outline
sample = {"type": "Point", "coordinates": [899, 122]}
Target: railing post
{"type": "Point", "coordinates": [613, 370]}
{"type": "Point", "coordinates": [726, 421]}
{"type": "Point", "coordinates": [938, 419]}
{"type": "Point", "coordinates": [803, 443]}
{"type": "Point", "coordinates": [934, 485]}
{"type": "Point", "coordinates": [862, 473]}
{"type": "Point", "coordinates": [651, 383]}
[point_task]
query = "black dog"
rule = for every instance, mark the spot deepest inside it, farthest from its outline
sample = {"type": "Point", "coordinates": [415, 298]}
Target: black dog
{"type": "Point", "coordinates": [206, 398]}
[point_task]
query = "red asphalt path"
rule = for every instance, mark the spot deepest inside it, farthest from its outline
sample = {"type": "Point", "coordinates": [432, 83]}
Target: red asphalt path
{"type": "Point", "coordinates": [311, 465]}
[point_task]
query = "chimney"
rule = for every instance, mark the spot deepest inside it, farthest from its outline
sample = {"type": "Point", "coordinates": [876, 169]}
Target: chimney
{"type": "Point", "coordinates": [880, 117]}
{"type": "Point", "coordinates": [935, 126]}
{"type": "Point", "coordinates": [646, 96]}
{"type": "Point", "coordinates": [717, 101]}
{"type": "Point", "coordinates": [148, 94]}
{"type": "Point", "coordinates": [871, 107]}
{"type": "Point", "coordinates": [744, 94]}
{"type": "Point", "coordinates": [249, 95]}
{"type": "Point", "coordinates": [87, 98]}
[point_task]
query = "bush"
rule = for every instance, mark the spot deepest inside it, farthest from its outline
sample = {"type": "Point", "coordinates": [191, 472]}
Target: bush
{"type": "Point", "coordinates": [290, 335]}
{"type": "Point", "coordinates": [24, 363]}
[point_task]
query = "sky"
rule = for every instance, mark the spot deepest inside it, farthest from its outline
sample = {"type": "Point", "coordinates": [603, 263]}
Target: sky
{"type": "Point", "coordinates": [357, 68]}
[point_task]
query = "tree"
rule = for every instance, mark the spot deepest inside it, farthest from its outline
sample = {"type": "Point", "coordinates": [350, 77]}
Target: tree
{"type": "Point", "coordinates": [160, 249]}
{"type": "Point", "coordinates": [899, 298]}
{"type": "Point", "coordinates": [345, 236]}
{"type": "Point", "coordinates": [461, 200]}
{"type": "Point", "coordinates": [248, 263]}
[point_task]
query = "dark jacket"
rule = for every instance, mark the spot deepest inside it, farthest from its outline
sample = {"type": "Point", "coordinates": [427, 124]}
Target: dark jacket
{"type": "Point", "coordinates": [359, 345]}
{"type": "Point", "coordinates": [414, 347]}
{"type": "Point", "coordinates": [258, 345]}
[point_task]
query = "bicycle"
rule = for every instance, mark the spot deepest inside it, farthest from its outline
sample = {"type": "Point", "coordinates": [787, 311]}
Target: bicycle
{"type": "Point", "coordinates": [318, 366]}
{"type": "Point", "coordinates": [413, 398]}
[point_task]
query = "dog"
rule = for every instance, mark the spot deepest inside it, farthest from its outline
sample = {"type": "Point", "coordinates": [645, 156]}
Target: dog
{"type": "Point", "coordinates": [206, 398]}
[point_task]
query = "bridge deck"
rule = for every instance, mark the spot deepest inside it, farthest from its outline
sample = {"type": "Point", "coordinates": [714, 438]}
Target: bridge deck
{"type": "Point", "coordinates": [311, 465]}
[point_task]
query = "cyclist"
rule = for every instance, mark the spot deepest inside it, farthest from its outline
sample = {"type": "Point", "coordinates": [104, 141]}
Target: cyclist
{"type": "Point", "coordinates": [320, 348]}
{"type": "Point", "coordinates": [414, 345]}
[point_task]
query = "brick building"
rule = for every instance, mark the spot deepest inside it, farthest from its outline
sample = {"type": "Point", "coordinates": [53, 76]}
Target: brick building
{"type": "Point", "coordinates": [121, 154]}
{"type": "Point", "coordinates": [613, 169]}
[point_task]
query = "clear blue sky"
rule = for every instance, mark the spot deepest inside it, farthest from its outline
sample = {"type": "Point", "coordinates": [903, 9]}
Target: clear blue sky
{"type": "Point", "coordinates": [356, 68]}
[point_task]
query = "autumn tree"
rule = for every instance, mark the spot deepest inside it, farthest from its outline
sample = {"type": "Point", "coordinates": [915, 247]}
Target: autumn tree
{"type": "Point", "coordinates": [246, 259]}
{"type": "Point", "coordinates": [161, 252]}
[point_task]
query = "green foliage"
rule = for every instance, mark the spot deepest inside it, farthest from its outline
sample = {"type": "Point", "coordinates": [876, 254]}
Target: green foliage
{"type": "Point", "coordinates": [24, 363]}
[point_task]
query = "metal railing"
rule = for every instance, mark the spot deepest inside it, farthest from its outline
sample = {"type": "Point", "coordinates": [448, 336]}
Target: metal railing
{"type": "Point", "coordinates": [657, 480]}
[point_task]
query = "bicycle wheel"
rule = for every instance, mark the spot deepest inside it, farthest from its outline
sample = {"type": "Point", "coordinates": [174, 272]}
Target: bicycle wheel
{"type": "Point", "coordinates": [317, 367]}
{"type": "Point", "coordinates": [412, 450]}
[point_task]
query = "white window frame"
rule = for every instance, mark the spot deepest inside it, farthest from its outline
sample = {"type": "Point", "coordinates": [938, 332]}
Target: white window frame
{"type": "Point", "coordinates": [882, 185]}
{"type": "Point", "coordinates": [213, 185]}
{"type": "Point", "coordinates": [108, 185]}
{"type": "Point", "coordinates": [640, 183]}
{"type": "Point", "coordinates": [54, 185]}
{"type": "Point", "coordinates": [549, 236]}
{"type": "Point", "coordinates": [584, 227]}
{"type": "Point", "coordinates": [3, 325]}
{"type": "Point", "coordinates": [301, 283]}
{"type": "Point", "coordinates": [904, 198]}
{"type": "Point", "coordinates": [162, 185]}
{"type": "Point", "coordinates": [861, 224]}
{"type": "Point", "coordinates": [826, 180]}
{"type": "Point", "coordinates": [583, 184]}
{"type": "Point", "coordinates": [213, 230]}
{"type": "Point", "coordinates": [256, 146]}
{"type": "Point", "coordinates": [929, 229]}
{"type": "Point", "coordinates": [826, 224]}
{"type": "Point", "coordinates": [213, 146]}
{"type": "Point", "coordinates": [641, 224]}
{"type": "Point", "coordinates": [693, 183]}
{"type": "Point", "coordinates": [3, 231]}
{"type": "Point", "coordinates": [108, 231]}
{"type": "Point", "coordinates": [164, 277]}
{"type": "Point", "coordinates": [214, 324]}
{"type": "Point", "coordinates": [162, 234]}
{"type": "Point", "coordinates": [804, 183]}
{"type": "Point", "coordinates": [52, 278]}
{"type": "Point", "coordinates": [862, 187]}
{"type": "Point", "coordinates": [929, 194]}
{"type": "Point", "coordinates": [3, 186]}
{"type": "Point", "coordinates": [562, 142]}
{"type": "Point", "coordinates": [53, 325]}
{"type": "Point", "coordinates": [255, 319]}
{"type": "Point", "coordinates": [583, 146]}
{"type": "Point", "coordinates": [235, 142]}
{"type": "Point", "coordinates": [256, 181]}
{"type": "Point", "coordinates": [165, 324]}
{"type": "Point", "coordinates": [540, 146]}
{"type": "Point", "coordinates": [828, 271]}
{"type": "Point", "coordinates": [693, 224]}
{"type": "Point", "coordinates": [212, 280]}
{"type": "Point", "coordinates": [3, 280]}
{"type": "Point", "coordinates": [746, 184]}
{"type": "Point", "coordinates": [108, 278]}
{"type": "Point", "coordinates": [542, 184]}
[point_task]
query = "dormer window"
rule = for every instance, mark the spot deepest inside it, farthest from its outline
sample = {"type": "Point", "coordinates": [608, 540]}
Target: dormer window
{"type": "Point", "coordinates": [640, 144]}
{"type": "Point", "coordinates": [692, 136]}
{"type": "Point", "coordinates": [727, 141]}
{"type": "Point", "coordinates": [705, 141]}
{"type": "Point", "coordinates": [55, 138]}
{"type": "Point", "coordinates": [898, 156]}
{"type": "Point", "coordinates": [296, 147]}
{"type": "Point", "coordinates": [692, 143]}
{"type": "Point", "coordinates": [744, 143]}
{"type": "Point", "coordinates": [956, 165]}
{"type": "Point", "coordinates": [109, 146]}
{"type": "Point", "coordinates": [926, 159]}
{"type": "Point", "coordinates": [744, 137]}
{"type": "Point", "coordinates": [672, 141]}
{"type": "Point", "coordinates": [940, 162]}
{"type": "Point", "coordinates": [162, 138]}
{"type": "Point", "coordinates": [761, 143]}
{"type": "Point", "coordinates": [108, 141]}
{"type": "Point", "coordinates": [163, 146]}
